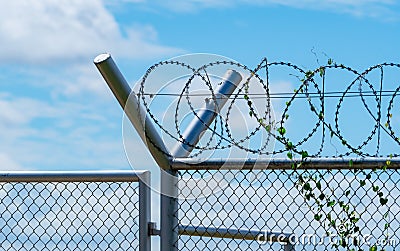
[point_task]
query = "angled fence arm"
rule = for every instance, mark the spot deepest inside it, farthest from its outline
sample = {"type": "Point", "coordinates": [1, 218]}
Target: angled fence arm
{"type": "Point", "coordinates": [134, 111]}
{"type": "Point", "coordinates": [206, 115]}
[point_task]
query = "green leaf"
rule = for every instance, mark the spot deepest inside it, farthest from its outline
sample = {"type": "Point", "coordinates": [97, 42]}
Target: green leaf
{"type": "Point", "coordinates": [321, 196]}
{"type": "Point", "coordinates": [321, 71]}
{"type": "Point", "coordinates": [318, 184]}
{"type": "Point", "coordinates": [368, 176]}
{"type": "Point", "coordinates": [375, 188]}
{"type": "Point", "coordinates": [351, 163]}
{"type": "Point", "coordinates": [383, 201]}
{"type": "Point", "coordinates": [318, 217]}
{"type": "Point", "coordinates": [268, 128]}
{"type": "Point", "coordinates": [309, 74]}
{"type": "Point", "coordinates": [289, 145]}
{"type": "Point", "coordinates": [354, 219]}
{"type": "Point", "coordinates": [281, 130]}
{"type": "Point", "coordinates": [342, 242]}
{"type": "Point", "coordinates": [347, 193]}
{"type": "Point", "coordinates": [290, 155]}
{"type": "Point", "coordinates": [307, 186]}
{"type": "Point", "coordinates": [304, 154]}
{"type": "Point", "coordinates": [373, 248]}
{"type": "Point", "coordinates": [330, 61]}
{"type": "Point", "coordinates": [331, 203]}
{"type": "Point", "coordinates": [362, 183]}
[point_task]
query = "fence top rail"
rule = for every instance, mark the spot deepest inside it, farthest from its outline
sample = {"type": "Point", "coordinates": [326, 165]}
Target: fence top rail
{"type": "Point", "coordinates": [73, 176]}
{"type": "Point", "coordinates": [283, 164]}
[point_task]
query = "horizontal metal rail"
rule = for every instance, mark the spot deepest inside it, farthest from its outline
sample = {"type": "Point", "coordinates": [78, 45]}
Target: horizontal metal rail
{"type": "Point", "coordinates": [242, 234]}
{"type": "Point", "coordinates": [283, 164]}
{"type": "Point", "coordinates": [73, 176]}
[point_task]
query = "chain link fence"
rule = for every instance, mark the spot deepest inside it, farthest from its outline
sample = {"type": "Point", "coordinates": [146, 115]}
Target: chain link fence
{"type": "Point", "coordinates": [319, 209]}
{"type": "Point", "coordinates": [69, 215]}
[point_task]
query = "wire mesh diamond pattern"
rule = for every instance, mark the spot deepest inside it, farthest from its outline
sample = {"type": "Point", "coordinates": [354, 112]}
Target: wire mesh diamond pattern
{"type": "Point", "coordinates": [273, 201]}
{"type": "Point", "coordinates": [69, 216]}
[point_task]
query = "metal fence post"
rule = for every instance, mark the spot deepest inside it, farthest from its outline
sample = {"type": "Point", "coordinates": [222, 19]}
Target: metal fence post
{"type": "Point", "coordinates": [168, 211]}
{"type": "Point", "coordinates": [144, 212]}
{"type": "Point", "coordinates": [191, 136]}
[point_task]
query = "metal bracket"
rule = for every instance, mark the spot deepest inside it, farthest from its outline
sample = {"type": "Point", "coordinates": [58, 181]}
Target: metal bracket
{"type": "Point", "coordinates": [152, 226]}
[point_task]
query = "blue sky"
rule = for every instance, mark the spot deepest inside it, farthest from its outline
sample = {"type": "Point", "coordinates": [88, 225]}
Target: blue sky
{"type": "Point", "coordinates": [56, 112]}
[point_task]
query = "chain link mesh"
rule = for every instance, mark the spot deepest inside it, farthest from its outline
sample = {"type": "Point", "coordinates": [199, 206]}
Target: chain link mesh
{"type": "Point", "coordinates": [69, 216]}
{"type": "Point", "coordinates": [273, 201]}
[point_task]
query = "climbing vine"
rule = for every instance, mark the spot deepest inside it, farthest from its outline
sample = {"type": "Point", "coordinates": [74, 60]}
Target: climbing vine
{"type": "Point", "coordinates": [339, 215]}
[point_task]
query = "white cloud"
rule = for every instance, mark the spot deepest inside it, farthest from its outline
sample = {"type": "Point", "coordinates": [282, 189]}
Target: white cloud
{"type": "Point", "coordinates": [44, 31]}
{"type": "Point", "coordinates": [59, 135]}
{"type": "Point", "coordinates": [7, 163]}
{"type": "Point", "coordinates": [20, 111]}
{"type": "Point", "coordinates": [368, 8]}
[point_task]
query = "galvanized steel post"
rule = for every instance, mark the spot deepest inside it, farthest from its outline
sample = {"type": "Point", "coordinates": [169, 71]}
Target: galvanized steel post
{"type": "Point", "coordinates": [191, 136]}
{"type": "Point", "coordinates": [144, 212]}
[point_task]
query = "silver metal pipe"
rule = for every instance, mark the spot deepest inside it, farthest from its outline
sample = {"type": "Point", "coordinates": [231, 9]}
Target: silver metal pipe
{"type": "Point", "coordinates": [144, 212]}
{"type": "Point", "coordinates": [241, 234]}
{"type": "Point", "coordinates": [72, 176]}
{"type": "Point", "coordinates": [133, 109]}
{"type": "Point", "coordinates": [206, 115]}
{"type": "Point", "coordinates": [283, 164]}
{"type": "Point", "coordinates": [168, 211]}
{"type": "Point", "coordinates": [192, 135]}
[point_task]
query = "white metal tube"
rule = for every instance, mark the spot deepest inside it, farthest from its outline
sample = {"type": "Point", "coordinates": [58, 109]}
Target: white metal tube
{"type": "Point", "coordinates": [134, 111]}
{"type": "Point", "coordinates": [207, 114]}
